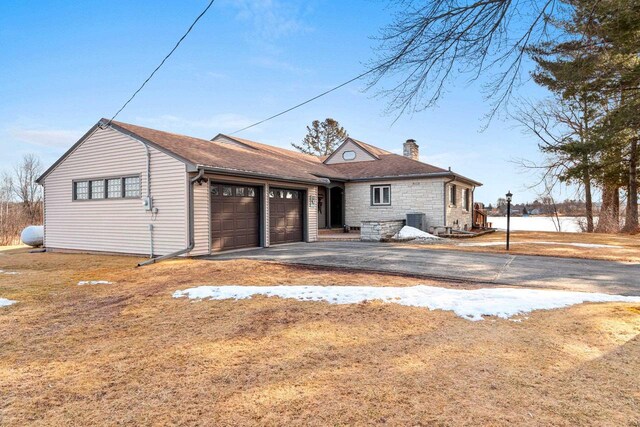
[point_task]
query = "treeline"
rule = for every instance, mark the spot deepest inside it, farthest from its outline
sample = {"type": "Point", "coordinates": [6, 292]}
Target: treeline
{"type": "Point", "coordinates": [545, 206]}
{"type": "Point", "coordinates": [20, 199]}
{"type": "Point", "coordinates": [590, 126]}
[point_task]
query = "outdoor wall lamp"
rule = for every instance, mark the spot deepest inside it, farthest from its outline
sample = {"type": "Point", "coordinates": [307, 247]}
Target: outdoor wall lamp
{"type": "Point", "coordinates": [509, 196]}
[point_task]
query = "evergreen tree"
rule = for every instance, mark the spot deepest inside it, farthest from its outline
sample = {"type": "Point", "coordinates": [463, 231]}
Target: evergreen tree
{"type": "Point", "coordinates": [322, 138]}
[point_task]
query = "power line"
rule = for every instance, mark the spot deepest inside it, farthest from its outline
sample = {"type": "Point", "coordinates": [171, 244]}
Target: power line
{"type": "Point", "coordinates": [163, 61]}
{"type": "Point", "coordinates": [308, 100]}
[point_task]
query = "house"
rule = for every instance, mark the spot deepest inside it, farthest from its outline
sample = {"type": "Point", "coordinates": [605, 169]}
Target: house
{"type": "Point", "coordinates": [129, 189]}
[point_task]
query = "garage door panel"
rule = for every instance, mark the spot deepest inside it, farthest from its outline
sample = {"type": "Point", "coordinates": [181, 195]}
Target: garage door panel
{"type": "Point", "coordinates": [235, 221]}
{"type": "Point", "coordinates": [285, 216]}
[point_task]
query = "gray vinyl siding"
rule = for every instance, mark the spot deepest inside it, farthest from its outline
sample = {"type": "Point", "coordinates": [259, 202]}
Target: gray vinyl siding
{"type": "Point", "coordinates": [116, 225]}
{"type": "Point", "coordinates": [202, 225]}
{"type": "Point", "coordinates": [361, 155]}
{"type": "Point", "coordinates": [312, 214]}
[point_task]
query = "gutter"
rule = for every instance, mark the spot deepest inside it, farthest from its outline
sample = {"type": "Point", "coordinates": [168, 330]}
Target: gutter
{"type": "Point", "coordinates": [444, 204]}
{"type": "Point", "coordinates": [231, 172]}
{"type": "Point", "coordinates": [421, 175]}
{"type": "Point", "coordinates": [191, 236]}
{"type": "Point", "coordinates": [148, 173]}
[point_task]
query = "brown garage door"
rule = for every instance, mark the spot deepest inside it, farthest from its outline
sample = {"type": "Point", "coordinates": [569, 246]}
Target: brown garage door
{"type": "Point", "coordinates": [285, 215]}
{"type": "Point", "coordinates": [235, 216]}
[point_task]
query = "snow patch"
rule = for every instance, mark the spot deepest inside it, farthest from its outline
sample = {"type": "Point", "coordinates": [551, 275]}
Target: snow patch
{"type": "Point", "coordinates": [6, 302]}
{"type": "Point", "coordinates": [8, 272]}
{"type": "Point", "coordinates": [411, 233]}
{"type": "Point", "coordinates": [580, 245]}
{"type": "Point", "coordinates": [468, 304]}
{"type": "Point", "coordinates": [94, 282]}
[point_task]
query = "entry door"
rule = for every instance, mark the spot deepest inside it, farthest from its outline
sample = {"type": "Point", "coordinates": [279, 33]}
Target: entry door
{"type": "Point", "coordinates": [235, 216]}
{"type": "Point", "coordinates": [285, 215]}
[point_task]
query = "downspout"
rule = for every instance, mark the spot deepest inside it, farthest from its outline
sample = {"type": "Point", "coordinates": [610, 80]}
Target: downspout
{"type": "Point", "coordinates": [146, 148]}
{"type": "Point", "coordinates": [191, 237]}
{"type": "Point", "coordinates": [148, 195]}
{"type": "Point", "coordinates": [445, 198]}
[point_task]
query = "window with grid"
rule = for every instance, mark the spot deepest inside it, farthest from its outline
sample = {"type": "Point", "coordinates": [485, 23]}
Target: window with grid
{"type": "Point", "coordinates": [114, 188]}
{"type": "Point", "coordinates": [97, 189]}
{"type": "Point", "coordinates": [81, 190]}
{"type": "Point", "coordinates": [132, 186]}
{"type": "Point", "coordinates": [381, 195]}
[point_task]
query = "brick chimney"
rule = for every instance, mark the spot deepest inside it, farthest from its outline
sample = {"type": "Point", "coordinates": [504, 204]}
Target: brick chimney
{"type": "Point", "coordinates": [410, 149]}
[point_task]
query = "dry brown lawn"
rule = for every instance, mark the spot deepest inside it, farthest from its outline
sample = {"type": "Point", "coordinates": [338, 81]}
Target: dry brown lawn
{"type": "Point", "coordinates": [628, 252]}
{"type": "Point", "coordinates": [130, 354]}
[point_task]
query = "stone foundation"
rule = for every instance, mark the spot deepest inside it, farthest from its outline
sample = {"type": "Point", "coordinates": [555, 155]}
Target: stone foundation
{"type": "Point", "coordinates": [378, 231]}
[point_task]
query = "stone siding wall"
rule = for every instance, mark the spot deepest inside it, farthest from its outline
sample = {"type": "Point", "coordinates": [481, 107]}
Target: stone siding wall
{"type": "Point", "coordinates": [377, 231]}
{"type": "Point", "coordinates": [457, 216]}
{"type": "Point", "coordinates": [419, 195]}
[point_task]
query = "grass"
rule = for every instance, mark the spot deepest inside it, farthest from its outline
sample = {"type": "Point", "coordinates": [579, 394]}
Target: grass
{"type": "Point", "coordinates": [522, 244]}
{"type": "Point", "coordinates": [129, 354]}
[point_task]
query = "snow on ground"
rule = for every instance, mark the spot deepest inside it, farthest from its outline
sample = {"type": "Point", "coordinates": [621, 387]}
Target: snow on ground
{"type": "Point", "coordinates": [409, 233]}
{"type": "Point", "coordinates": [8, 272]}
{"type": "Point", "coordinates": [6, 302]}
{"type": "Point", "coordinates": [94, 282]}
{"type": "Point", "coordinates": [468, 304]}
{"type": "Point", "coordinates": [580, 245]}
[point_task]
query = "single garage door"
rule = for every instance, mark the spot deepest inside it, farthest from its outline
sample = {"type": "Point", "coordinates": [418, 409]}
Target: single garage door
{"type": "Point", "coordinates": [235, 216]}
{"type": "Point", "coordinates": [285, 215]}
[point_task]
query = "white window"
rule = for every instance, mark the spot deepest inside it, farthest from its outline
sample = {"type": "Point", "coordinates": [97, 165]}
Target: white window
{"type": "Point", "coordinates": [348, 155]}
{"type": "Point", "coordinates": [380, 195]}
{"type": "Point", "coordinates": [107, 188]}
{"type": "Point", "coordinates": [453, 194]}
{"type": "Point", "coordinates": [114, 188]}
{"type": "Point", "coordinates": [97, 189]}
{"type": "Point", "coordinates": [81, 190]}
{"type": "Point", "coordinates": [132, 186]}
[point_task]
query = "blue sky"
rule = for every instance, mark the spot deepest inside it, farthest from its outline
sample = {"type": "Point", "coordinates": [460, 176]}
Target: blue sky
{"type": "Point", "coordinates": [64, 65]}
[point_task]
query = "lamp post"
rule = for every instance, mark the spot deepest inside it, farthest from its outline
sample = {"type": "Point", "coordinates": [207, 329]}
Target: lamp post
{"type": "Point", "coordinates": [509, 196]}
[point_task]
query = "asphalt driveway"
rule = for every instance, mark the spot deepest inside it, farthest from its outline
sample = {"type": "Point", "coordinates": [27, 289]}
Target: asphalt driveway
{"type": "Point", "coordinates": [487, 268]}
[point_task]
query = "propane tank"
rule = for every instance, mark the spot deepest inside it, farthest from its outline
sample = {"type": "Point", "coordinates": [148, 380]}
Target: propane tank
{"type": "Point", "coordinates": [33, 235]}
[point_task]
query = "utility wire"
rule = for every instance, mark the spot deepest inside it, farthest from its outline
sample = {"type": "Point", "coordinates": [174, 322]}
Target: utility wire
{"type": "Point", "coordinates": [163, 61]}
{"type": "Point", "coordinates": [309, 100]}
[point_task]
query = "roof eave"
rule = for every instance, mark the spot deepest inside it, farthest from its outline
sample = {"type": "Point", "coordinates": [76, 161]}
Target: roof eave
{"type": "Point", "coordinates": [158, 147]}
{"type": "Point", "coordinates": [420, 175]}
{"type": "Point", "coordinates": [250, 174]}
{"type": "Point", "coordinates": [67, 153]}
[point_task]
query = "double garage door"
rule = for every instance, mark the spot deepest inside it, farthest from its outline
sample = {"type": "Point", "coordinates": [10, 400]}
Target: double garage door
{"type": "Point", "coordinates": [236, 211]}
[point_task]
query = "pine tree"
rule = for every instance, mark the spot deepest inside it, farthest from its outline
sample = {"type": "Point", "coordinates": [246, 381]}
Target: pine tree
{"type": "Point", "coordinates": [322, 138]}
{"type": "Point", "coordinates": [595, 71]}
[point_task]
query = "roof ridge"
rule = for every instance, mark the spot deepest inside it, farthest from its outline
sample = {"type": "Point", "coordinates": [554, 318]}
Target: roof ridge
{"type": "Point", "coordinates": [367, 147]}
{"type": "Point", "coordinates": [297, 154]}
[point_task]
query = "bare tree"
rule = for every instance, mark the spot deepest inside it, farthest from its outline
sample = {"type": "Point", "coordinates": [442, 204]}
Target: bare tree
{"type": "Point", "coordinates": [564, 131]}
{"type": "Point", "coordinates": [428, 41]}
{"type": "Point", "coordinates": [20, 199]}
{"type": "Point", "coordinates": [5, 200]}
{"type": "Point", "coordinates": [25, 188]}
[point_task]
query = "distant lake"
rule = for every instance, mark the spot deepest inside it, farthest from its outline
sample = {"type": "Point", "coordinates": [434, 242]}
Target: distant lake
{"type": "Point", "coordinates": [568, 224]}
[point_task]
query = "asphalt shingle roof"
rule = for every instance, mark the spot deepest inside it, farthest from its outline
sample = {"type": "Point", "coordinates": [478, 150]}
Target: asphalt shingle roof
{"type": "Point", "coordinates": [243, 155]}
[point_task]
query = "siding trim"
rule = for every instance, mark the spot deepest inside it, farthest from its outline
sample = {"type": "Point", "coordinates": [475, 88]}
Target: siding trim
{"type": "Point", "coordinates": [102, 125]}
{"type": "Point", "coordinates": [341, 146]}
